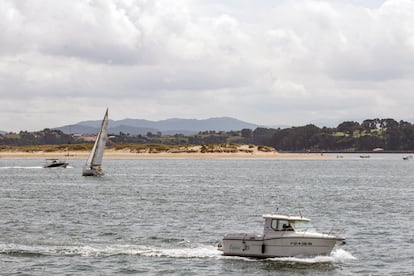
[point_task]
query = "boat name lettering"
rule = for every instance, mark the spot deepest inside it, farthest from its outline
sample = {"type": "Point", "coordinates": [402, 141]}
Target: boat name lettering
{"type": "Point", "coordinates": [245, 247]}
{"type": "Point", "coordinates": [301, 243]}
{"type": "Point", "coordinates": [232, 247]}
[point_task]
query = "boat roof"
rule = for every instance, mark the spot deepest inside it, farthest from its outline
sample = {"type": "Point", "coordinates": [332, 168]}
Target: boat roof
{"type": "Point", "coordinates": [286, 217]}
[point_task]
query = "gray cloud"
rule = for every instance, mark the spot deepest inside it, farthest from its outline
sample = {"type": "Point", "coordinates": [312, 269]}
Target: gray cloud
{"type": "Point", "coordinates": [282, 62]}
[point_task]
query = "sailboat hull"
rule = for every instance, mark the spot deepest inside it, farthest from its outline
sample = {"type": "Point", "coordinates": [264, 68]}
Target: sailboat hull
{"type": "Point", "coordinates": [92, 172]}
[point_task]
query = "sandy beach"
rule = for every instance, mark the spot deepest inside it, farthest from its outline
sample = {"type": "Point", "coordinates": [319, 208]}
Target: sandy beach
{"type": "Point", "coordinates": [120, 154]}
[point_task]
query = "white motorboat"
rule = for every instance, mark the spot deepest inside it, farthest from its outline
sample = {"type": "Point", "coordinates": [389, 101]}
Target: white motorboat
{"type": "Point", "coordinates": [94, 162]}
{"type": "Point", "coordinates": [283, 236]}
{"type": "Point", "coordinates": [55, 163]}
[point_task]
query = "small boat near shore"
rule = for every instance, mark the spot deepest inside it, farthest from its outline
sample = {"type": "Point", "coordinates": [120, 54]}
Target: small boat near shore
{"type": "Point", "coordinates": [283, 236]}
{"type": "Point", "coordinates": [407, 157]}
{"type": "Point", "coordinates": [55, 163]}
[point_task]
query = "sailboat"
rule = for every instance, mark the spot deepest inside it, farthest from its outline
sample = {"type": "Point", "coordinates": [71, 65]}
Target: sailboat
{"type": "Point", "coordinates": [94, 162]}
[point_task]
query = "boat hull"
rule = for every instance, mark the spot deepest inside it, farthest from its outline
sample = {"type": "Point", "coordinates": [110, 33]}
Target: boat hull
{"type": "Point", "coordinates": [259, 247]}
{"type": "Point", "coordinates": [57, 165]}
{"type": "Point", "coordinates": [92, 172]}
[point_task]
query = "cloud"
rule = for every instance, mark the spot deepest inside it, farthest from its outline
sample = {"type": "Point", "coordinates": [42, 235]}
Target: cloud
{"type": "Point", "coordinates": [268, 62]}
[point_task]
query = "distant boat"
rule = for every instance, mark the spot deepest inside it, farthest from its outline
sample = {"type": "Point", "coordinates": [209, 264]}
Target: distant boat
{"type": "Point", "coordinates": [94, 162]}
{"type": "Point", "coordinates": [407, 157]}
{"type": "Point", "coordinates": [55, 163]}
{"type": "Point", "coordinates": [365, 156]}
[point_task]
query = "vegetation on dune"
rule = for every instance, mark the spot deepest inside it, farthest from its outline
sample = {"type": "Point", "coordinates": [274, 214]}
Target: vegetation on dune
{"type": "Point", "coordinates": [140, 148]}
{"type": "Point", "coordinates": [48, 148]}
{"type": "Point", "coordinates": [144, 148]}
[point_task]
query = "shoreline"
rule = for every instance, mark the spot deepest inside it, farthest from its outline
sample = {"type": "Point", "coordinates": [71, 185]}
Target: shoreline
{"type": "Point", "coordinates": [119, 154]}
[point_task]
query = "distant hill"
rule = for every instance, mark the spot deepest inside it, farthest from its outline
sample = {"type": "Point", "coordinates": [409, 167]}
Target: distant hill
{"type": "Point", "coordinates": [169, 126]}
{"type": "Point", "coordinates": [77, 128]}
{"type": "Point", "coordinates": [2, 132]}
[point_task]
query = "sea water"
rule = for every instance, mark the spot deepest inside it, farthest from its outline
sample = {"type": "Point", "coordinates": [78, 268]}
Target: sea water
{"type": "Point", "coordinates": [166, 216]}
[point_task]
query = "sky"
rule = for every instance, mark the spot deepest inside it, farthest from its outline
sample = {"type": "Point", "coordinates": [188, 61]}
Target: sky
{"type": "Point", "coordinates": [268, 62]}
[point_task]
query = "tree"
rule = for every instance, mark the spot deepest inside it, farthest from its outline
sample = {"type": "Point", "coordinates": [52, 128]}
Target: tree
{"type": "Point", "coordinates": [393, 139]}
{"type": "Point", "coordinates": [296, 138]}
{"type": "Point", "coordinates": [368, 125]}
{"type": "Point", "coordinates": [348, 127]}
{"type": "Point", "coordinates": [369, 142]}
{"type": "Point", "coordinates": [389, 123]}
{"type": "Point", "coordinates": [246, 133]}
{"type": "Point", "coordinates": [263, 136]}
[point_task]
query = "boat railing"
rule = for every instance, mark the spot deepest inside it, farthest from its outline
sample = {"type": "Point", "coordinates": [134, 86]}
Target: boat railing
{"type": "Point", "coordinates": [332, 231]}
{"type": "Point", "coordinates": [325, 231]}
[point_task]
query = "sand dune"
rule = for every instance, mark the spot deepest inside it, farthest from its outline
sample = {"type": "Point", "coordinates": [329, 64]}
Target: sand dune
{"type": "Point", "coordinates": [241, 152]}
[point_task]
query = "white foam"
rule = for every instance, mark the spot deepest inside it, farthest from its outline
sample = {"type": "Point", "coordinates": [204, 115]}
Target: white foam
{"type": "Point", "coordinates": [200, 251]}
{"type": "Point", "coordinates": [20, 167]}
{"type": "Point", "coordinates": [194, 251]}
{"type": "Point", "coordinates": [337, 256]}
{"type": "Point", "coordinates": [341, 256]}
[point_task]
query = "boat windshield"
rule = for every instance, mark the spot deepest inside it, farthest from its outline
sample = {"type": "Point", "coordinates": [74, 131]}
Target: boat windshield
{"type": "Point", "coordinates": [302, 226]}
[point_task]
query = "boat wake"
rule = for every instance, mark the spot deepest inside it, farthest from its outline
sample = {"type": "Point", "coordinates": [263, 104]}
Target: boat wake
{"type": "Point", "coordinates": [192, 251]}
{"type": "Point", "coordinates": [20, 167]}
{"type": "Point", "coordinates": [337, 256]}
{"type": "Point", "coordinates": [30, 167]}
{"type": "Point", "coordinates": [196, 251]}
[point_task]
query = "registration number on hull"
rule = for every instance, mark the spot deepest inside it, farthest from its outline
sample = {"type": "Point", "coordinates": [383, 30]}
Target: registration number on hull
{"type": "Point", "coordinates": [301, 243]}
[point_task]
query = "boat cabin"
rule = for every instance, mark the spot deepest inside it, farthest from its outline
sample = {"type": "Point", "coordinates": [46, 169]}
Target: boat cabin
{"type": "Point", "coordinates": [276, 223]}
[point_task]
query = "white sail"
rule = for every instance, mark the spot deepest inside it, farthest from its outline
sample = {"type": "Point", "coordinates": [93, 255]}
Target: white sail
{"type": "Point", "coordinates": [92, 166]}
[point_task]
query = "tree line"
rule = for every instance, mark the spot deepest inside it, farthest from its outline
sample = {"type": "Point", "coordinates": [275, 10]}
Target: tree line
{"type": "Point", "coordinates": [348, 136]}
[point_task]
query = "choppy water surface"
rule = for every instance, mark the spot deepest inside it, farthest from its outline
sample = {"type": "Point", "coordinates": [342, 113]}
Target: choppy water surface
{"type": "Point", "coordinates": [167, 215]}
